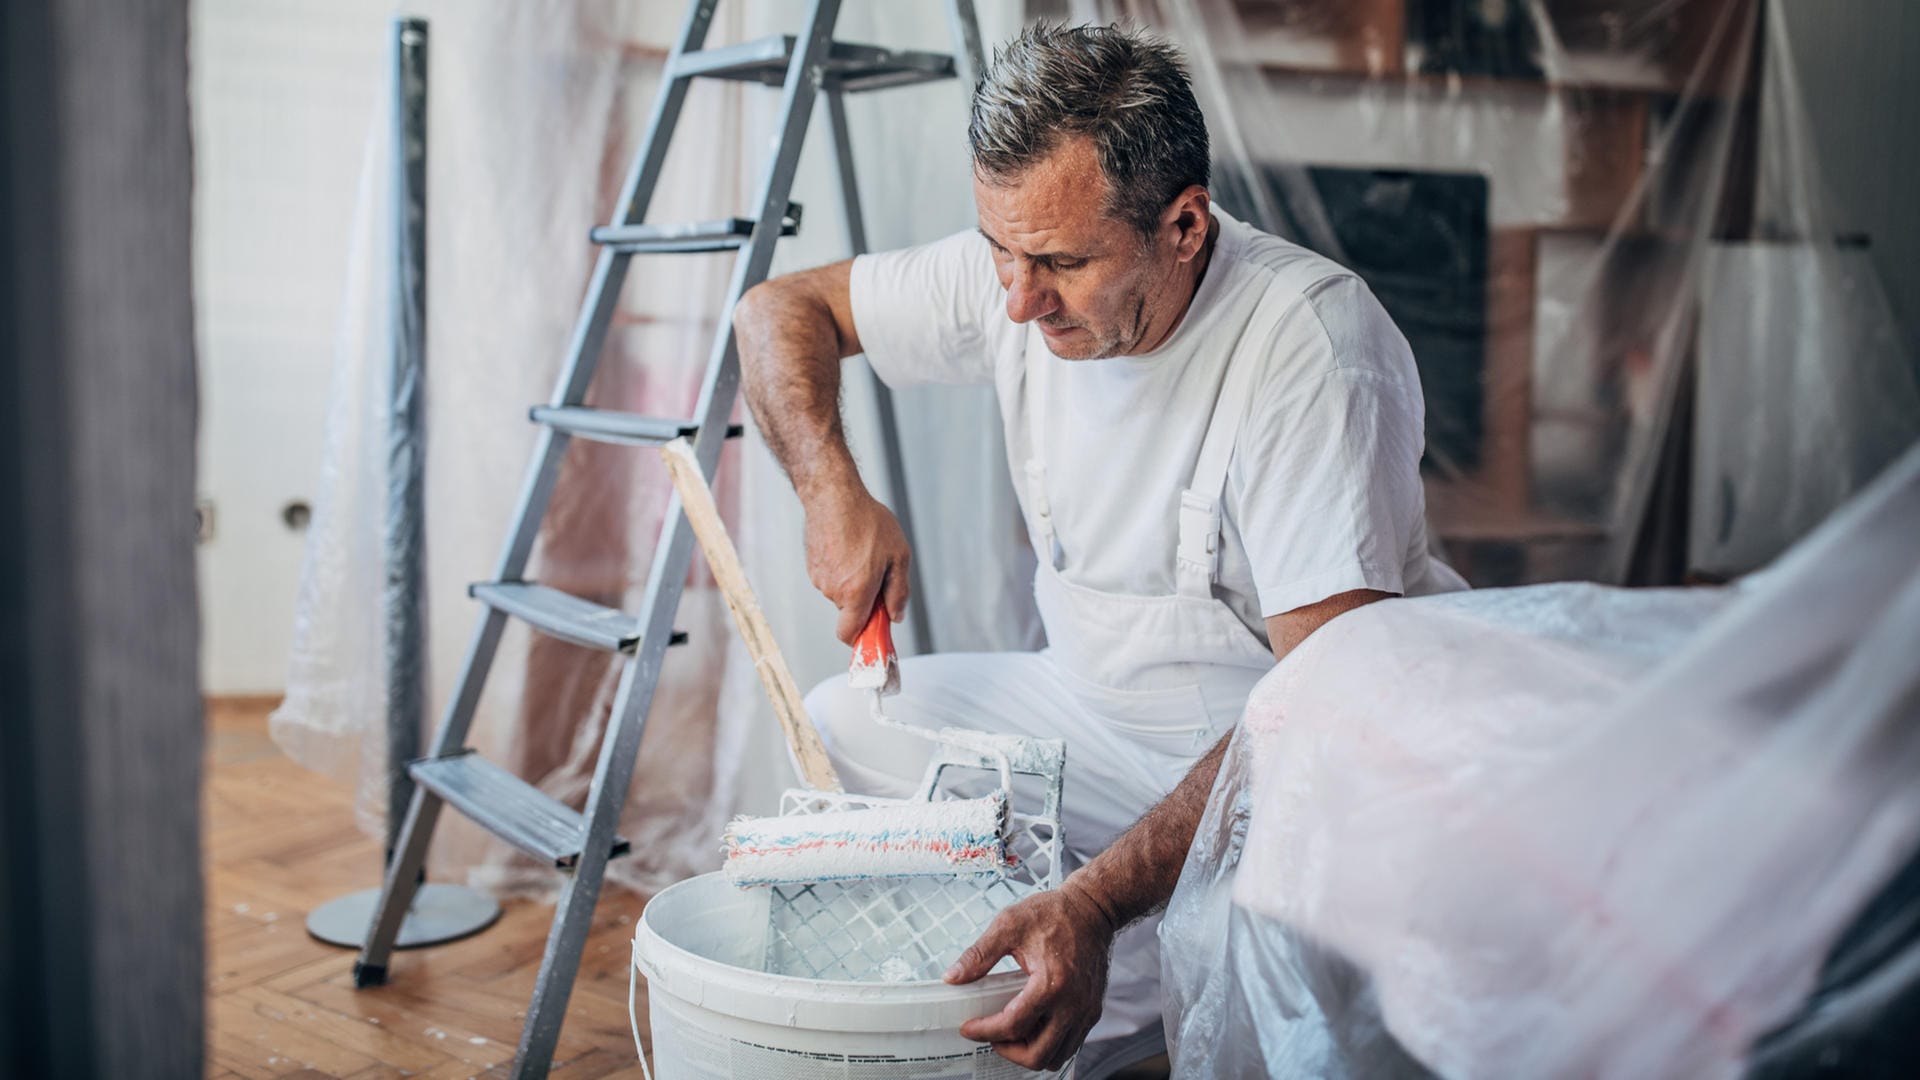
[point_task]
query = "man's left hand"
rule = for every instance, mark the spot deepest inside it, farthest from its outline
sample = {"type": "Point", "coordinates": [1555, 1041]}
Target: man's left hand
{"type": "Point", "coordinates": [1062, 939]}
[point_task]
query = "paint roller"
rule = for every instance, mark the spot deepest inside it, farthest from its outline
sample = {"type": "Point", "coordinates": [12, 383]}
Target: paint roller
{"type": "Point", "coordinates": [872, 837]}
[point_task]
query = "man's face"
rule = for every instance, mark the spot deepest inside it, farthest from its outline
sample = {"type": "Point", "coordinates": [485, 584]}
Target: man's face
{"type": "Point", "coordinates": [1093, 284]}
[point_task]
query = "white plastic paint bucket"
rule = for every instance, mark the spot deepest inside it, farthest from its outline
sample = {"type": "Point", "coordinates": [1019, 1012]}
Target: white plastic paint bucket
{"type": "Point", "coordinates": [716, 1015]}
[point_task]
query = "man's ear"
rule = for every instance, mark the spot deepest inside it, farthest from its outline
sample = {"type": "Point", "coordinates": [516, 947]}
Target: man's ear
{"type": "Point", "coordinates": [1190, 216]}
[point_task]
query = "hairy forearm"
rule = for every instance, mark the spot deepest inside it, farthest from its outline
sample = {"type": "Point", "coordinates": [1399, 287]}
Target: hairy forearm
{"type": "Point", "coordinates": [1135, 877]}
{"type": "Point", "coordinates": [790, 354]}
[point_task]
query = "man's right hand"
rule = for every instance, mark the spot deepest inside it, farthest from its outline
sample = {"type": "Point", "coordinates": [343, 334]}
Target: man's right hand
{"type": "Point", "coordinates": [793, 331]}
{"type": "Point", "coordinates": [855, 549]}
{"type": "Point", "coordinates": [1061, 938]}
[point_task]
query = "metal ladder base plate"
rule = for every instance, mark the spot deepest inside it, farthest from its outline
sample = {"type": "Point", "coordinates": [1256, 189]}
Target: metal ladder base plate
{"type": "Point", "coordinates": [508, 806]}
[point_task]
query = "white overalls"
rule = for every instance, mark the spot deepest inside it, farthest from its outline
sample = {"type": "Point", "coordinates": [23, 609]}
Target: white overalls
{"type": "Point", "coordinates": [1138, 686]}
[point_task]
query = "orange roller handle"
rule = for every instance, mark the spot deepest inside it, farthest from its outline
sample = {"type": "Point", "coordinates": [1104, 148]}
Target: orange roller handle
{"type": "Point", "coordinates": [876, 666]}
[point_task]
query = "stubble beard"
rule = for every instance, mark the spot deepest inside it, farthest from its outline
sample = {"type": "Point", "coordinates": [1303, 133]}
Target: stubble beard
{"type": "Point", "coordinates": [1120, 341]}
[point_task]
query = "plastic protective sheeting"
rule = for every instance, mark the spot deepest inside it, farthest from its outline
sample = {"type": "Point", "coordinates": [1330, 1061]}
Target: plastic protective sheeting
{"type": "Point", "coordinates": [535, 111]}
{"type": "Point", "coordinates": [1600, 225]}
{"type": "Point", "coordinates": [1559, 830]}
{"type": "Point", "coordinates": [1585, 168]}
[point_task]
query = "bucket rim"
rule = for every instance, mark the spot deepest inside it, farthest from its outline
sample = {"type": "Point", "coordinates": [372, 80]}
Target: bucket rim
{"type": "Point", "coordinates": [796, 1000]}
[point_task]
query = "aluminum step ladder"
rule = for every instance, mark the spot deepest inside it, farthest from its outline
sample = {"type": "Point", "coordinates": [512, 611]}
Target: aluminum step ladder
{"type": "Point", "coordinates": [808, 67]}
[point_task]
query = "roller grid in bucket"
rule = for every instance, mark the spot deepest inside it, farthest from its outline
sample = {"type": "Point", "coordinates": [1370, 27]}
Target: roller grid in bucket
{"type": "Point", "coordinates": [901, 929]}
{"type": "Point", "coordinates": [842, 979]}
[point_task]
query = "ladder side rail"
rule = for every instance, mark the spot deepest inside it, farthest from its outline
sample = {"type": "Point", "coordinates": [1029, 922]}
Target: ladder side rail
{"type": "Point", "coordinates": [836, 108]}
{"type": "Point", "coordinates": [589, 334]}
{"type": "Point", "coordinates": [404, 872]}
{"type": "Point", "coordinates": [636, 193]}
{"type": "Point", "coordinates": [805, 74]}
{"type": "Point", "coordinates": [603, 293]}
{"type": "Point", "coordinates": [918, 610]}
{"type": "Point", "coordinates": [969, 56]}
{"type": "Point", "coordinates": [614, 771]}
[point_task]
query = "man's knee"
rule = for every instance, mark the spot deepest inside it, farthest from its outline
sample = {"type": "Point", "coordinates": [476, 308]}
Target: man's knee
{"type": "Point", "coordinates": [837, 710]}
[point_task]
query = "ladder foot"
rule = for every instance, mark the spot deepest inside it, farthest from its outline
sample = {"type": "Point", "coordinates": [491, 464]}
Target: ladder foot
{"type": "Point", "coordinates": [365, 975]}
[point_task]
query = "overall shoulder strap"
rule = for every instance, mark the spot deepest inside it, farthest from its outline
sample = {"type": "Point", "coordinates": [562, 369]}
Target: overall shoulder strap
{"type": "Point", "coordinates": [1197, 558]}
{"type": "Point", "coordinates": [1038, 359]}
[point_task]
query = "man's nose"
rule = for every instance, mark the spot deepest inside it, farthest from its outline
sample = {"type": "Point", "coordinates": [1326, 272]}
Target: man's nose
{"type": "Point", "coordinates": [1027, 299]}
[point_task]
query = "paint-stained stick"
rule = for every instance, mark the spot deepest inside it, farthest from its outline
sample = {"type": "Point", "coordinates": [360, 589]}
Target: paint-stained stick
{"type": "Point", "coordinates": [816, 771]}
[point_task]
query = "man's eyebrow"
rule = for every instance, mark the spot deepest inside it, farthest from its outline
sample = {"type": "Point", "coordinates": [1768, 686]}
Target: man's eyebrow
{"type": "Point", "coordinates": [1051, 256]}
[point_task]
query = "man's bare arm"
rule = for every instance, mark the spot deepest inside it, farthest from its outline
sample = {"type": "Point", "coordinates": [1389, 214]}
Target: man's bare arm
{"type": "Point", "coordinates": [793, 331]}
{"type": "Point", "coordinates": [1062, 938]}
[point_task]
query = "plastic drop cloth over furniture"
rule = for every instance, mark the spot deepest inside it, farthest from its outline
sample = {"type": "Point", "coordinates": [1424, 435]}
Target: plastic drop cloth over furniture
{"type": "Point", "coordinates": [1607, 267]}
{"type": "Point", "coordinates": [536, 106]}
{"type": "Point", "coordinates": [1573, 831]}
{"type": "Point", "coordinates": [1600, 225]}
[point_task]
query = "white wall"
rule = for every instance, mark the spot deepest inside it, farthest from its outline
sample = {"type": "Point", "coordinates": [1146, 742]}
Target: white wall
{"type": "Point", "coordinates": [281, 93]}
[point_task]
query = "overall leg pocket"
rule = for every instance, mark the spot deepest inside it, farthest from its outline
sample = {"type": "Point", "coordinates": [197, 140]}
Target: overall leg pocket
{"type": "Point", "coordinates": [1171, 721]}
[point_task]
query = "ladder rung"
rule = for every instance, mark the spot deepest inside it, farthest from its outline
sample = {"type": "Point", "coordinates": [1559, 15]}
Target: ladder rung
{"type": "Point", "coordinates": [564, 616]}
{"type": "Point", "coordinates": [508, 807]}
{"type": "Point", "coordinates": [605, 425]}
{"type": "Point", "coordinates": [849, 68]}
{"type": "Point", "coordinates": [726, 234]}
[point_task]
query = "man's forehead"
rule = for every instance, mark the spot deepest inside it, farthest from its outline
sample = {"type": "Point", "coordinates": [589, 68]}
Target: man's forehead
{"type": "Point", "coordinates": [1059, 204]}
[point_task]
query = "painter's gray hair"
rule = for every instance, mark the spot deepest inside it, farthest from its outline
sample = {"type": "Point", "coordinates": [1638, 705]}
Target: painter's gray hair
{"type": "Point", "coordinates": [1124, 89]}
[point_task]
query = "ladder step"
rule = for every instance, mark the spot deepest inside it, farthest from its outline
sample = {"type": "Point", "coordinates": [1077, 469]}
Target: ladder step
{"type": "Point", "coordinates": [564, 616]}
{"type": "Point", "coordinates": [726, 234]}
{"type": "Point", "coordinates": [605, 425]}
{"type": "Point", "coordinates": [850, 68]}
{"type": "Point", "coordinates": [508, 807]}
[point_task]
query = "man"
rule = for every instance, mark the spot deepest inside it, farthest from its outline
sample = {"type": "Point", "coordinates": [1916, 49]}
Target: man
{"type": "Point", "coordinates": [1215, 435]}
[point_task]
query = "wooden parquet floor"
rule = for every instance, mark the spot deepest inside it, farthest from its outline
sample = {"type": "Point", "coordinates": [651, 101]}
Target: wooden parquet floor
{"type": "Point", "coordinates": [280, 840]}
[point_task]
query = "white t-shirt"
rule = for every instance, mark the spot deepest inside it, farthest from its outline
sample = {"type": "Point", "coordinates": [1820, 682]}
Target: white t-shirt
{"type": "Point", "coordinates": [1323, 492]}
